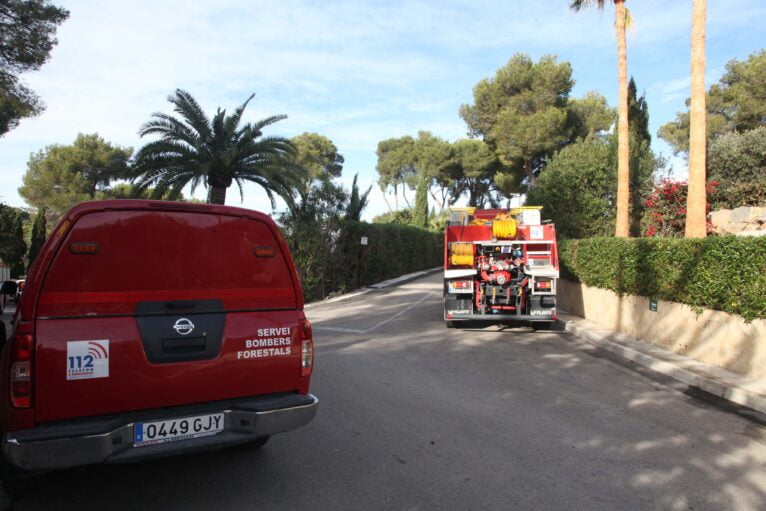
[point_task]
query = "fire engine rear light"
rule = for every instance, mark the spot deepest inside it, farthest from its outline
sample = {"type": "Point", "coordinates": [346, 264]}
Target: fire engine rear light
{"type": "Point", "coordinates": [460, 286]}
{"type": "Point", "coordinates": [543, 284]}
{"type": "Point", "coordinates": [307, 348]}
{"type": "Point", "coordinates": [21, 371]}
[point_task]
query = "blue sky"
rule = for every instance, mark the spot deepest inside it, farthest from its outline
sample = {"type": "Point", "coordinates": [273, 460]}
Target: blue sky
{"type": "Point", "coordinates": [355, 71]}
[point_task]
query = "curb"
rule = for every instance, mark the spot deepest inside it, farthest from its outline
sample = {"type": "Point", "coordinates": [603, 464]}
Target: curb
{"type": "Point", "coordinates": [405, 278]}
{"type": "Point", "coordinates": [380, 285]}
{"type": "Point", "coordinates": [714, 380]}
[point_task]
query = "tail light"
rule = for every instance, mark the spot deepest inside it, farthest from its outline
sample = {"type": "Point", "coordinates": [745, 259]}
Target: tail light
{"type": "Point", "coordinates": [460, 286]}
{"type": "Point", "coordinates": [543, 285]}
{"type": "Point", "coordinates": [307, 348]}
{"type": "Point", "coordinates": [21, 370]}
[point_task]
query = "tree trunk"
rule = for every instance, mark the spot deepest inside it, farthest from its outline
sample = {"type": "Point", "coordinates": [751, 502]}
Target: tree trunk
{"type": "Point", "coordinates": [622, 227]}
{"type": "Point", "coordinates": [473, 195]}
{"type": "Point", "coordinates": [385, 199]}
{"type": "Point", "coordinates": [696, 202]}
{"type": "Point", "coordinates": [217, 195]}
{"type": "Point", "coordinates": [404, 195]}
{"type": "Point", "coordinates": [529, 171]}
{"type": "Point", "coordinates": [433, 195]}
{"type": "Point", "coordinates": [445, 195]}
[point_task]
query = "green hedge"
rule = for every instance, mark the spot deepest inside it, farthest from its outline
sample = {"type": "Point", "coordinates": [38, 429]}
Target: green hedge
{"type": "Point", "coordinates": [328, 257]}
{"type": "Point", "coordinates": [723, 273]}
{"type": "Point", "coordinates": [392, 250]}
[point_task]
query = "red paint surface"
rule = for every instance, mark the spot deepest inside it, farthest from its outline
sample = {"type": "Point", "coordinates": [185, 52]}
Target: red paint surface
{"type": "Point", "coordinates": [134, 383]}
{"type": "Point", "coordinates": [154, 251]}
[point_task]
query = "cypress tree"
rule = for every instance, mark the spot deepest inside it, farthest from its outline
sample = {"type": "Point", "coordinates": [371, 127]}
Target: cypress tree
{"type": "Point", "coordinates": [642, 161]}
{"type": "Point", "coordinates": [17, 234]}
{"type": "Point", "coordinates": [38, 236]}
{"type": "Point", "coordinates": [420, 212]}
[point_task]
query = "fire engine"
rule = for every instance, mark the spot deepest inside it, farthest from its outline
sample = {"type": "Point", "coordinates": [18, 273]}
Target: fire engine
{"type": "Point", "coordinates": [500, 266]}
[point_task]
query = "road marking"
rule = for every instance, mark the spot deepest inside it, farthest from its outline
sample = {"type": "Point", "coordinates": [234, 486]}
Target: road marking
{"type": "Point", "coordinates": [412, 305]}
{"type": "Point", "coordinates": [334, 329]}
{"type": "Point", "coordinates": [377, 325]}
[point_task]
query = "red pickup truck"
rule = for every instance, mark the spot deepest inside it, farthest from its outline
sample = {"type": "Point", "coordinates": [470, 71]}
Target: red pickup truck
{"type": "Point", "coordinates": [152, 328]}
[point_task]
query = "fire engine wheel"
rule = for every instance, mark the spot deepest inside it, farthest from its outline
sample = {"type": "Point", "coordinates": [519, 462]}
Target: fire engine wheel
{"type": "Point", "coordinates": [542, 325]}
{"type": "Point", "coordinates": [450, 324]}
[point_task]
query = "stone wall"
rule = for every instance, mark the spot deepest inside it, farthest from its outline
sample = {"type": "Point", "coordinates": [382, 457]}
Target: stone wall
{"type": "Point", "coordinates": [712, 337]}
{"type": "Point", "coordinates": [743, 221]}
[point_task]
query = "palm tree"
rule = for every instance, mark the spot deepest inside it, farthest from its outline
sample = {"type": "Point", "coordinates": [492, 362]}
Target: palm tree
{"type": "Point", "coordinates": [217, 152]}
{"type": "Point", "coordinates": [623, 134]}
{"type": "Point", "coordinates": [696, 202]}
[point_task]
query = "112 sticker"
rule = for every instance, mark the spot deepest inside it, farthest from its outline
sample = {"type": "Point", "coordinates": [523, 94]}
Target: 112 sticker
{"type": "Point", "coordinates": [87, 359]}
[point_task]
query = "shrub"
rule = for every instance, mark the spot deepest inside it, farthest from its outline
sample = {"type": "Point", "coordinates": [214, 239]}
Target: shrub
{"type": "Point", "coordinates": [577, 190]}
{"type": "Point", "coordinates": [400, 216]}
{"type": "Point", "coordinates": [738, 161]}
{"type": "Point", "coordinates": [734, 195]}
{"type": "Point", "coordinates": [311, 229]}
{"type": "Point", "coordinates": [665, 213]}
{"type": "Point", "coordinates": [738, 157]}
{"type": "Point", "coordinates": [723, 273]}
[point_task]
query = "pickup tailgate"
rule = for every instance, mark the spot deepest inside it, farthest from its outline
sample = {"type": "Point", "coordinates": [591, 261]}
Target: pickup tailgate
{"type": "Point", "coordinates": [259, 354]}
{"type": "Point", "coordinates": [148, 309]}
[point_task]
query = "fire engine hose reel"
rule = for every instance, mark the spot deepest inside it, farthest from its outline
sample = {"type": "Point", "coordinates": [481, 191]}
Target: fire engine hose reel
{"type": "Point", "coordinates": [505, 228]}
{"type": "Point", "coordinates": [461, 254]}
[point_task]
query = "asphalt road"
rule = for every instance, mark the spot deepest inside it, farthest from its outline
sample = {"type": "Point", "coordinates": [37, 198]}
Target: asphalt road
{"type": "Point", "coordinates": [417, 417]}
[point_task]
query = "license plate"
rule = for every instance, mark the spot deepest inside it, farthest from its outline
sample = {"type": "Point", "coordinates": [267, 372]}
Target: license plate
{"type": "Point", "coordinates": [173, 430]}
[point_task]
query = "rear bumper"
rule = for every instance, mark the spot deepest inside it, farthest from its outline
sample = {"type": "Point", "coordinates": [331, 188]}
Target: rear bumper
{"type": "Point", "coordinates": [497, 318]}
{"type": "Point", "coordinates": [110, 439]}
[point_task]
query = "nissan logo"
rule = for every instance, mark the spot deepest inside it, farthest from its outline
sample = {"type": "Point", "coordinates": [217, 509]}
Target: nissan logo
{"type": "Point", "coordinates": [183, 326]}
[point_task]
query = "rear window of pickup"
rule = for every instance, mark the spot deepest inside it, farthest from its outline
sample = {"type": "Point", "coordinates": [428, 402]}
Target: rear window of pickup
{"type": "Point", "coordinates": [112, 260]}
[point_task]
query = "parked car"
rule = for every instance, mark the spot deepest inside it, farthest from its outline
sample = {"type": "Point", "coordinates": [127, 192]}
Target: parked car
{"type": "Point", "coordinates": [153, 328]}
{"type": "Point", "coordinates": [20, 283]}
{"type": "Point", "coordinates": [8, 291]}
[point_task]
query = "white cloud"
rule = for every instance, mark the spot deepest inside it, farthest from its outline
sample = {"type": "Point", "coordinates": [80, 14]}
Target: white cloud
{"type": "Point", "coordinates": [355, 71]}
{"type": "Point", "coordinates": [679, 88]}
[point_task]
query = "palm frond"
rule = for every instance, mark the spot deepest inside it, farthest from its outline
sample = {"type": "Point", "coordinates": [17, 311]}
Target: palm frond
{"type": "Point", "coordinates": [233, 121]}
{"type": "Point", "coordinates": [577, 5]}
{"type": "Point", "coordinates": [169, 128]}
{"type": "Point", "coordinates": [258, 126]}
{"type": "Point", "coordinates": [189, 109]}
{"type": "Point", "coordinates": [239, 182]}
